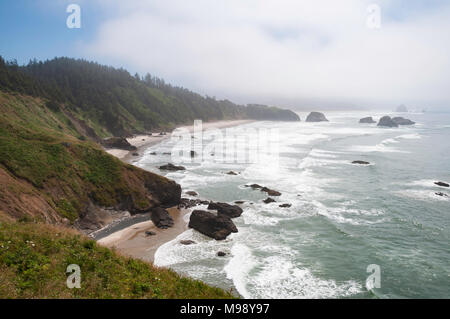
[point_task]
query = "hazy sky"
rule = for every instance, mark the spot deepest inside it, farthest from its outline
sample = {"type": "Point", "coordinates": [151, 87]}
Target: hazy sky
{"type": "Point", "coordinates": [294, 53]}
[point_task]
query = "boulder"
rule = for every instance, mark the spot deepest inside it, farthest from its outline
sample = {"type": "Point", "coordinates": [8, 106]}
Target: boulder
{"type": "Point", "coordinates": [239, 202]}
{"type": "Point", "coordinates": [232, 173]}
{"type": "Point", "coordinates": [285, 205]}
{"type": "Point", "coordinates": [231, 211]}
{"type": "Point", "coordinates": [221, 254]}
{"type": "Point", "coordinates": [316, 117]}
{"type": "Point", "coordinates": [254, 186]}
{"type": "Point", "coordinates": [387, 122]}
{"type": "Point", "coordinates": [161, 218]}
{"type": "Point", "coordinates": [442, 184]}
{"type": "Point", "coordinates": [135, 154]}
{"type": "Point", "coordinates": [120, 143]}
{"type": "Point", "coordinates": [192, 193]}
{"type": "Point", "coordinates": [442, 194]}
{"type": "Point", "coordinates": [360, 163]}
{"type": "Point", "coordinates": [187, 242]}
{"type": "Point", "coordinates": [269, 200]}
{"type": "Point", "coordinates": [403, 121]}
{"type": "Point", "coordinates": [367, 120]}
{"type": "Point", "coordinates": [270, 192]}
{"type": "Point", "coordinates": [218, 227]}
{"type": "Point", "coordinates": [171, 167]}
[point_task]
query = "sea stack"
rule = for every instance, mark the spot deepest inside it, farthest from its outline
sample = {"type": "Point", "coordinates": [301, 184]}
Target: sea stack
{"type": "Point", "coordinates": [403, 121]}
{"type": "Point", "coordinates": [316, 117]}
{"type": "Point", "coordinates": [387, 122]}
{"type": "Point", "coordinates": [367, 120]}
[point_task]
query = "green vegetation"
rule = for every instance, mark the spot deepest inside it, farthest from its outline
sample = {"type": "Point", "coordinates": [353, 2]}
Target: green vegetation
{"type": "Point", "coordinates": [34, 258]}
{"type": "Point", "coordinates": [112, 100]}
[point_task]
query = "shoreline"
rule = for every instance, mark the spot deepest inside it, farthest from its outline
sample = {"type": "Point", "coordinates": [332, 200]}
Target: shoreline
{"type": "Point", "coordinates": [131, 240]}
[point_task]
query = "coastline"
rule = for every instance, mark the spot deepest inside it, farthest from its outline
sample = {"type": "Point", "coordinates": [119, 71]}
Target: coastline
{"type": "Point", "coordinates": [131, 240]}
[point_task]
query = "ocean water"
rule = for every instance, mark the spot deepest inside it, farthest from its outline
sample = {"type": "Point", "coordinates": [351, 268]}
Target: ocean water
{"type": "Point", "coordinates": [343, 217]}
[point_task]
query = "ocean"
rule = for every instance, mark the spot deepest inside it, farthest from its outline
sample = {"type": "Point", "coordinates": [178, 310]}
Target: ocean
{"type": "Point", "coordinates": [347, 222]}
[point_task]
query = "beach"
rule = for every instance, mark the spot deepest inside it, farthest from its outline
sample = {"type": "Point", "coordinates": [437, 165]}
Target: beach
{"type": "Point", "coordinates": [132, 240]}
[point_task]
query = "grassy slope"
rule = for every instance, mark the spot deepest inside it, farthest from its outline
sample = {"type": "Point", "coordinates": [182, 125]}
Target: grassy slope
{"type": "Point", "coordinates": [47, 173]}
{"type": "Point", "coordinates": [40, 147]}
{"type": "Point", "coordinates": [34, 258]}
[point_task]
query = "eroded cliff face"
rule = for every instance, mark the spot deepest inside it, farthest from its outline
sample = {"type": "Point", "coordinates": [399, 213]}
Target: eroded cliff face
{"type": "Point", "coordinates": [48, 173]}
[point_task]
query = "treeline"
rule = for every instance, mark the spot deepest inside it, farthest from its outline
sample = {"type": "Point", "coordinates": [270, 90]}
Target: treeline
{"type": "Point", "coordinates": [119, 102]}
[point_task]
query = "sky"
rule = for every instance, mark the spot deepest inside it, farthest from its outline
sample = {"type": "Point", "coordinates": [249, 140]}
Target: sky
{"type": "Point", "coordinates": [300, 54]}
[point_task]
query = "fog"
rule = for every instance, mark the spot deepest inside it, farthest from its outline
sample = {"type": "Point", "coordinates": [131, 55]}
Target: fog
{"type": "Point", "coordinates": [299, 54]}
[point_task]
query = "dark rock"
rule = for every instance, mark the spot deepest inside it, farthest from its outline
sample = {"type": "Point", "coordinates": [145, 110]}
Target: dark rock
{"type": "Point", "coordinates": [214, 226]}
{"type": "Point", "coordinates": [231, 211]}
{"type": "Point", "coordinates": [135, 154]}
{"type": "Point", "coordinates": [239, 202]}
{"type": "Point", "coordinates": [269, 200]}
{"type": "Point", "coordinates": [193, 153]}
{"type": "Point", "coordinates": [316, 117]}
{"type": "Point", "coordinates": [442, 194]}
{"type": "Point", "coordinates": [189, 203]}
{"type": "Point", "coordinates": [192, 193]}
{"type": "Point", "coordinates": [171, 167]}
{"type": "Point", "coordinates": [254, 186]}
{"type": "Point", "coordinates": [401, 109]}
{"type": "Point", "coordinates": [150, 233]}
{"type": "Point", "coordinates": [367, 120]}
{"type": "Point", "coordinates": [403, 121]}
{"type": "Point", "coordinates": [387, 121]}
{"type": "Point", "coordinates": [232, 173]}
{"type": "Point", "coordinates": [120, 143]}
{"type": "Point", "coordinates": [361, 163]}
{"type": "Point", "coordinates": [221, 254]}
{"type": "Point", "coordinates": [442, 184]}
{"type": "Point", "coordinates": [187, 242]}
{"type": "Point", "coordinates": [270, 192]}
{"type": "Point", "coordinates": [161, 218]}
{"type": "Point", "coordinates": [285, 205]}
{"type": "Point", "coordinates": [153, 153]}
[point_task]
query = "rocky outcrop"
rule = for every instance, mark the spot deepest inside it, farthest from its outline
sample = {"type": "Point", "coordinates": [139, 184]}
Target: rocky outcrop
{"type": "Point", "coordinates": [360, 163]}
{"type": "Point", "coordinates": [161, 218]}
{"type": "Point", "coordinates": [401, 109]}
{"type": "Point", "coordinates": [403, 121]}
{"type": "Point", "coordinates": [231, 211]}
{"type": "Point", "coordinates": [316, 117]}
{"type": "Point", "coordinates": [269, 200]}
{"type": "Point", "coordinates": [218, 227]}
{"type": "Point", "coordinates": [442, 184]}
{"type": "Point", "coordinates": [267, 190]}
{"type": "Point", "coordinates": [441, 194]}
{"type": "Point", "coordinates": [232, 173]}
{"type": "Point", "coordinates": [386, 121]}
{"type": "Point", "coordinates": [171, 167]}
{"type": "Point", "coordinates": [367, 120]}
{"type": "Point", "coordinates": [118, 142]}
{"type": "Point", "coordinates": [189, 203]}
{"type": "Point", "coordinates": [191, 193]}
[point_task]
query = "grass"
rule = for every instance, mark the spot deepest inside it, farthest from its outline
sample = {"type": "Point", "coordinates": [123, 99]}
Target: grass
{"type": "Point", "coordinates": [34, 258]}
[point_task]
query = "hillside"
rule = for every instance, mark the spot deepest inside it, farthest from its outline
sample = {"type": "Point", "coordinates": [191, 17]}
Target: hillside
{"type": "Point", "coordinates": [116, 103]}
{"type": "Point", "coordinates": [34, 258]}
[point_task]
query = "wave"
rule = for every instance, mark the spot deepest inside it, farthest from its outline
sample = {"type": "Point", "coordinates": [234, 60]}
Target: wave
{"type": "Point", "coordinates": [277, 276]}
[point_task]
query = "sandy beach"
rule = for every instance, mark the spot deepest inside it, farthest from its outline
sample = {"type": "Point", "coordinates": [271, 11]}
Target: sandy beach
{"type": "Point", "coordinates": [132, 240]}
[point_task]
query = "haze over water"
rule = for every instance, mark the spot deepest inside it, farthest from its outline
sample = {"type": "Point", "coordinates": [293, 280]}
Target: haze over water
{"type": "Point", "coordinates": [343, 217]}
